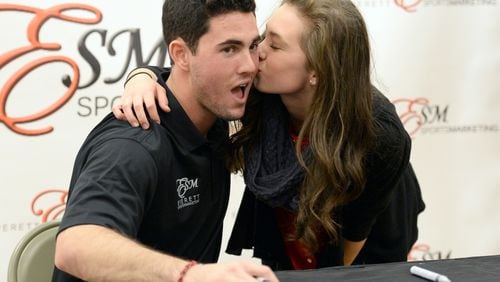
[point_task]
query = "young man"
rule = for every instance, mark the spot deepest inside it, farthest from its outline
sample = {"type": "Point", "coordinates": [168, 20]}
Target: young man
{"type": "Point", "coordinates": [144, 203]}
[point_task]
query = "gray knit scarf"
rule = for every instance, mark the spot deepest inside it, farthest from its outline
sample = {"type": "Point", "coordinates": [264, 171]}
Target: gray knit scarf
{"type": "Point", "coordinates": [272, 171]}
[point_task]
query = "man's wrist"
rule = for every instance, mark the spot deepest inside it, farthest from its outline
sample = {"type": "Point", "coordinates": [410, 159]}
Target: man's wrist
{"type": "Point", "coordinates": [186, 268]}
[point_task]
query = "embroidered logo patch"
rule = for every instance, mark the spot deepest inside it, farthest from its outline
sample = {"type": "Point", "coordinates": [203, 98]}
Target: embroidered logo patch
{"type": "Point", "coordinates": [187, 199]}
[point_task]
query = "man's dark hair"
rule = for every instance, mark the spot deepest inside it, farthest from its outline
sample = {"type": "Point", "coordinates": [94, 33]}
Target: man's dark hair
{"type": "Point", "coordinates": [189, 19]}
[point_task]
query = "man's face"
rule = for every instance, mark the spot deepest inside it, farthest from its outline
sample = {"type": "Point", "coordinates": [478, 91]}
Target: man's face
{"type": "Point", "coordinates": [225, 63]}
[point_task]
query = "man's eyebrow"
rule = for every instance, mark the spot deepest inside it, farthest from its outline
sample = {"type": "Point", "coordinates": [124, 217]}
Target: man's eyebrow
{"type": "Point", "coordinates": [237, 42]}
{"type": "Point", "coordinates": [231, 42]}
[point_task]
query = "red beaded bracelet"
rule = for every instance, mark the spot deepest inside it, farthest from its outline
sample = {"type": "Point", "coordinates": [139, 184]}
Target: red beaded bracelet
{"type": "Point", "coordinates": [186, 268]}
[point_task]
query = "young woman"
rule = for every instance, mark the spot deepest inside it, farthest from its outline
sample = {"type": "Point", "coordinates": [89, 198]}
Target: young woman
{"type": "Point", "coordinates": [325, 158]}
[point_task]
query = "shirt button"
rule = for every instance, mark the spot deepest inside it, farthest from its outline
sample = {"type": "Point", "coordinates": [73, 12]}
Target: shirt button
{"type": "Point", "coordinates": [309, 260]}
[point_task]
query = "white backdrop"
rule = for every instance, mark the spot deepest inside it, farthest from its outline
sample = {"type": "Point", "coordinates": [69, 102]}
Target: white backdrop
{"type": "Point", "coordinates": [439, 61]}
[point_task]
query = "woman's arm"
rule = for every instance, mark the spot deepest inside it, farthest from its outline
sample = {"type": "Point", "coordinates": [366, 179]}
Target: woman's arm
{"type": "Point", "coordinates": [351, 250]}
{"type": "Point", "coordinates": [141, 91]}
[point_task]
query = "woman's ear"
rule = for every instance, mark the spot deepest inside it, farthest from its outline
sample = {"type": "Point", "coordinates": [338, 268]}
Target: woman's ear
{"type": "Point", "coordinates": [313, 80]}
{"type": "Point", "coordinates": [180, 53]}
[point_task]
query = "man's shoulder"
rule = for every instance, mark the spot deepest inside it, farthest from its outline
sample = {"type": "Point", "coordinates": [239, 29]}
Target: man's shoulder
{"type": "Point", "coordinates": [111, 130]}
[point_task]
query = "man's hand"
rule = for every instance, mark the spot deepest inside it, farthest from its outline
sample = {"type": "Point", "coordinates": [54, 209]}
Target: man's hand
{"type": "Point", "coordinates": [233, 271]}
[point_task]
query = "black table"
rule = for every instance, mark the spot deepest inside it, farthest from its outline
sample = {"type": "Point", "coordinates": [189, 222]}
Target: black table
{"type": "Point", "coordinates": [481, 269]}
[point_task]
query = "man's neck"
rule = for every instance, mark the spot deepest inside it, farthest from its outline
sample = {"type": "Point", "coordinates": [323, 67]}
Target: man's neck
{"type": "Point", "coordinates": [180, 86]}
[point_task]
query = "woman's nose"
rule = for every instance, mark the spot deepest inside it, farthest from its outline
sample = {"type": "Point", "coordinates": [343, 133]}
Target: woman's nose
{"type": "Point", "coordinates": [262, 53]}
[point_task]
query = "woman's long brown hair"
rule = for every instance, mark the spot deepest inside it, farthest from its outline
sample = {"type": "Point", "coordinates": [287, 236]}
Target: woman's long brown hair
{"type": "Point", "coordinates": [339, 124]}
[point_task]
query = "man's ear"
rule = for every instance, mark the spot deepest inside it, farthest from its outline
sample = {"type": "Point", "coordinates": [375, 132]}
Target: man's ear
{"type": "Point", "coordinates": [180, 53]}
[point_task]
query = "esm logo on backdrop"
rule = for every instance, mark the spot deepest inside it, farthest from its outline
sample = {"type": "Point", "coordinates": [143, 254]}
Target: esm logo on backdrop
{"type": "Point", "coordinates": [50, 52]}
{"type": "Point", "coordinates": [414, 5]}
{"type": "Point", "coordinates": [420, 116]}
{"type": "Point", "coordinates": [418, 112]}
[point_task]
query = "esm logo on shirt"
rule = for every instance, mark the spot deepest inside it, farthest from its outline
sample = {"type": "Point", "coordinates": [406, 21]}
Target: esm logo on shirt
{"type": "Point", "coordinates": [183, 186]}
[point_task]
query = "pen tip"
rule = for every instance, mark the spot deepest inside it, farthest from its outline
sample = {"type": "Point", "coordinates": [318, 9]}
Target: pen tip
{"type": "Point", "coordinates": [443, 279]}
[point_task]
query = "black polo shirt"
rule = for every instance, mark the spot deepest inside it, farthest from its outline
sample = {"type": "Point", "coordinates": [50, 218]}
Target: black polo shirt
{"type": "Point", "coordinates": [166, 187]}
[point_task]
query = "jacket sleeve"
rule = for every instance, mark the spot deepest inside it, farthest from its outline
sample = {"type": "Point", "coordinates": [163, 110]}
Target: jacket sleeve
{"type": "Point", "coordinates": [384, 166]}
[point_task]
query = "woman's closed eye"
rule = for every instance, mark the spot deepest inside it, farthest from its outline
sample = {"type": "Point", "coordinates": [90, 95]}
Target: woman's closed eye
{"type": "Point", "coordinates": [274, 47]}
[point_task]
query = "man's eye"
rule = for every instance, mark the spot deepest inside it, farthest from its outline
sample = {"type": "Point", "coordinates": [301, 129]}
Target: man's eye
{"type": "Point", "coordinates": [229, 50]}
{"type": "Point", "coordinates": [254, 46]}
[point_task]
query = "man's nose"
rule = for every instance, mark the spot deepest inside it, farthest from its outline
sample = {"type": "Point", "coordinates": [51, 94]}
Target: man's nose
{"type": "Point", "coordinates": [250, 62]}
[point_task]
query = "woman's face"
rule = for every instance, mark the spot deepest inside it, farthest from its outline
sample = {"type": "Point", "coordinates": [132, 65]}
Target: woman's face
{"type": "Point", "coordinates": [282, 63]}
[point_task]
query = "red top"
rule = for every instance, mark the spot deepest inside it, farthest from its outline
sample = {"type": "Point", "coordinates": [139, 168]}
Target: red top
{"type": "Point", "coordinates": [295, 137]}
{"type": "Point", "coordinates": [298, 253]}
{"type": "Point", "coordinates": [300, 256]}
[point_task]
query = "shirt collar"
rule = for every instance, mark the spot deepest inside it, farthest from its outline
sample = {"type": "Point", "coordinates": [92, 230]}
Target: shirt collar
{"type": "Point", "coordinates": [182, 128]}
